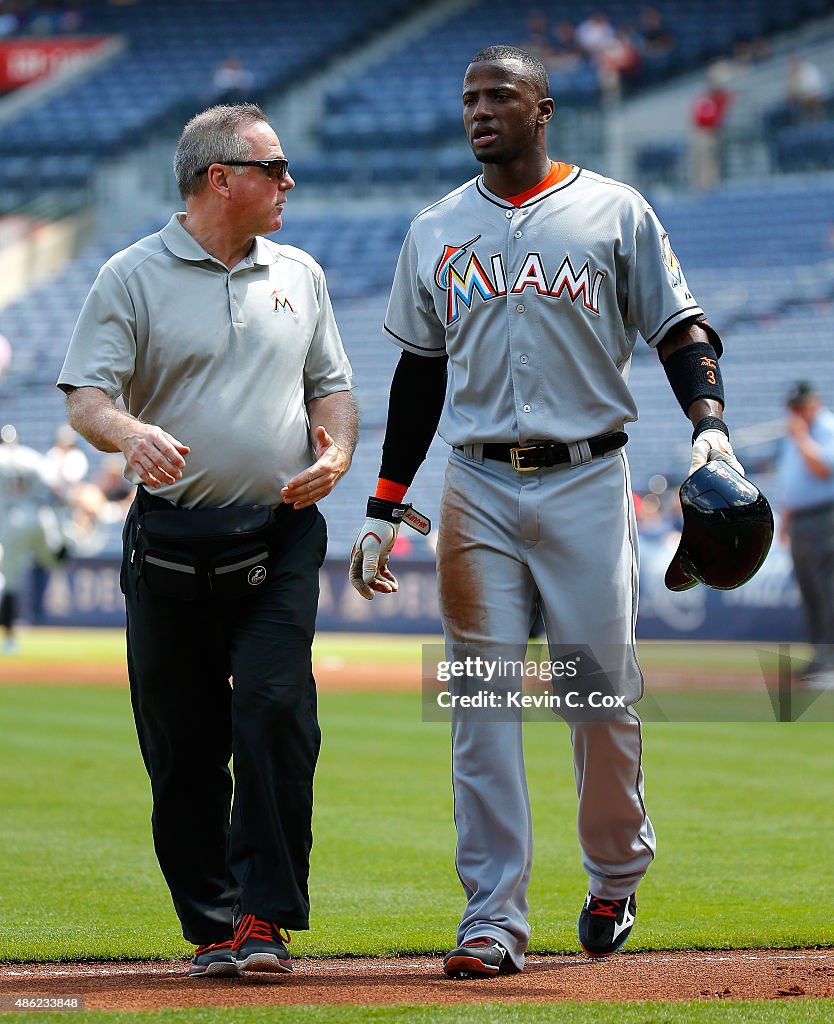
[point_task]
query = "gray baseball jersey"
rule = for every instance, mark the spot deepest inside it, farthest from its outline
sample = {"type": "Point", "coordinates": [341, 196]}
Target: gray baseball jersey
{"type": "Point", "coordinates": [538, 307]}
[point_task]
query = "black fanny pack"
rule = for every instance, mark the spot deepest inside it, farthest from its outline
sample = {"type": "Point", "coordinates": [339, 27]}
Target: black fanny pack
{"type": "Point", "coordinates": [194, 554]}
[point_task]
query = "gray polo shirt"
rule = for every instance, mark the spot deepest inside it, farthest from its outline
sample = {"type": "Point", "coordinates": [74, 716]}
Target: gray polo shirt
{"type": "Point", "coordinates": [225, 360]}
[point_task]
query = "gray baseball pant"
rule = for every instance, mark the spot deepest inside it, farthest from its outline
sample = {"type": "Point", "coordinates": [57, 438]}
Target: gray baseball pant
{"type": "Point", "coordinates": [565, 538]}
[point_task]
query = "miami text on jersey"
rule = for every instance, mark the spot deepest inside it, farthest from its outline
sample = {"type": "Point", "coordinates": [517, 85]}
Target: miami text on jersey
{"type": "Point", "coordinates": [460, 287]}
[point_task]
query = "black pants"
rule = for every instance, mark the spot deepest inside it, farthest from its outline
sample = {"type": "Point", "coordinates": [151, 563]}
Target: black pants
{"type": "Point", "coordinates": [217, 849]}
{"type": "Point", "coordinates": [811, 535]}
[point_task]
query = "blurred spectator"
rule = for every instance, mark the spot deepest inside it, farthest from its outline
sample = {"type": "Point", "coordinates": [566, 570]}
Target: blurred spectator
{"type": "Point", "coordinates": [614, 53]}
{"type": "Point", "coordinates": [99, 505]}
{"type": "Point", "coordinates": [54, 18]}
{"type": "Point", "coordinates": [538, 39]}
{"type": "Point", "coordinates": [709, 112]}
{"type": "Point", "coordinates": [5, 354]}
{"type": "Point", "coordinates": [805, 89]}
{"type": "Point", "coordinates": [9, 20]}
{"type": "Point", "coordinates": [115, 489]}
{"type": "Point", "coordinates": [595, 34]}
{"type": "Point", "coordinates": [618, 60]}
{"type": "Point", "coordinates": [650, 519]}
{"type": "Point", "coordinates": [658, 39]}
{"type": "Point", "coordinates": [750, 51]}
{"type": "Point", "coordinates": [806, 488]}
{"type": "Point", "coordinates": [567, 53]}
{"type": "Point", "coordinates": [69, 462]}
{"type": "Point", "coordinates": [232, 82]}
{"type": "Point", "coordinates": [29, 529]}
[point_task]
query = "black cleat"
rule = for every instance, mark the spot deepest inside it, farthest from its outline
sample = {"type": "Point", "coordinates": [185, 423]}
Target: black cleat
{"type": "Point", "coordinates": [604, 925]}
{"type": "Point", "coordinates": [483, 957]}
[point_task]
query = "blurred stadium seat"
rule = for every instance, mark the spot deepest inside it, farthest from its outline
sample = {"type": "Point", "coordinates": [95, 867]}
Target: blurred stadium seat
{"type": "Point", "coordinates": [759, 255]}
{"type": "Point", "coordinates": [165, 72]}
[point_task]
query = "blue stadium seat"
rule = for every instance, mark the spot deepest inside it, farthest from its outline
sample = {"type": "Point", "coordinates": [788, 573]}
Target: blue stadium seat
{"type": "Point", "coordinates": [166, 68]}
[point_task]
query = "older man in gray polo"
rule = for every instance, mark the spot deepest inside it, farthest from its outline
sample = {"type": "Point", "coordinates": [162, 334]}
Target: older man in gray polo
{"type": "Point", "coordinates": [238, 418]}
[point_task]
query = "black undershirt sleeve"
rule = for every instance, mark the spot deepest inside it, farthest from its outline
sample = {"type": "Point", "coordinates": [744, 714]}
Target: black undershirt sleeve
{"type": "Point", "coordinates": [418, 389]}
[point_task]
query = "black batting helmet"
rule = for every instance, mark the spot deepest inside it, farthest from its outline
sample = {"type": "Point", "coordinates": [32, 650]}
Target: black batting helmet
{"type": "Point", "coordinates": [727, 530]}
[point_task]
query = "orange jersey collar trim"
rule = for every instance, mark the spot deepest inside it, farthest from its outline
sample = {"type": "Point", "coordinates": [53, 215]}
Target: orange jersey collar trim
{"type": "Point", "coordinates": [558, 172]}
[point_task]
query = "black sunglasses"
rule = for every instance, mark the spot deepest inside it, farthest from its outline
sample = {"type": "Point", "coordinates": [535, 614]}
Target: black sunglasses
{"type": "Point", "coordinates": [275, 169]}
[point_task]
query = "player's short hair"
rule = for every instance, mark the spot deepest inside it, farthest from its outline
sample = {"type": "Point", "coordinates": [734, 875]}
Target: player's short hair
{"type": "Point", "coordinates": [212, 137]}
{"type": "Point", "coordinates": [534, 71]}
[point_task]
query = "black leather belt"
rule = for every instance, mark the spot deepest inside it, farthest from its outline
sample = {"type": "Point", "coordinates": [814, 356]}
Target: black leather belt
{"type": "Point", "coordinates": [542, 454]}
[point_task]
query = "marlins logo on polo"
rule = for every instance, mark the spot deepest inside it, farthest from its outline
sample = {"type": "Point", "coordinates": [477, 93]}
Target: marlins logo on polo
{"type": "Point", "coordinates": [281, 302]}
{"type": "Point", "coordinates": [460, 287]}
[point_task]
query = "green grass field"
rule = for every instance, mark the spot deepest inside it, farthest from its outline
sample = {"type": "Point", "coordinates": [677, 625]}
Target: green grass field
{"type": "Point", "coordinates": [106, 646]}
{"type": "Point", "coordinates": [741, 809]}
{"type": "Point", "coordinates": [82, 647]}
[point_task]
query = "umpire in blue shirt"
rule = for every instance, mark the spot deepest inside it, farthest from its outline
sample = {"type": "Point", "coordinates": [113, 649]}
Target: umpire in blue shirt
{"type": "Point", "coordinates": [806, 485]}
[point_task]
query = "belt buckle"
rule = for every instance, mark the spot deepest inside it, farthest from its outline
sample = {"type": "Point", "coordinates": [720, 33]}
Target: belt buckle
{"type": "Point", "coordinates": [516, 453]}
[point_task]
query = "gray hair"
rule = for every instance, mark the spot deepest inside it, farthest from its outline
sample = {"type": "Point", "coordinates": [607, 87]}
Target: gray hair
{"type": "Point", "coordinates": [212, 137]}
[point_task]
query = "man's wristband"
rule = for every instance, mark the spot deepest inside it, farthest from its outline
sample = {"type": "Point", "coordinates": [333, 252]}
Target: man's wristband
{"type": "Point", "coordinates": [710, 423]}
{"type": "Point", "coordinates": [693, 373]}
{"type": "Point", "coordinates": [388, 511]}
{"type": "Point", "coordinates": [394, 512]}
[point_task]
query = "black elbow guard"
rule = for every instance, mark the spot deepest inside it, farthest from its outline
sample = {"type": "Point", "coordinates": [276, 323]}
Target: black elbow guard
{"type": "Point", "coordinates": [694, 373]}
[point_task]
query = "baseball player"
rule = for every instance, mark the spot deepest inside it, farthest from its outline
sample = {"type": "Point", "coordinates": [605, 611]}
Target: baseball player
{"type": "Point", "coordinates": [30, 532]}
{"type": "Point", "coordinates": [517, 301]}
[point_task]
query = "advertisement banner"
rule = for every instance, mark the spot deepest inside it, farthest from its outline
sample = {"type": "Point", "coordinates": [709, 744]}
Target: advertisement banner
{"type": "Point", "coordinates": [24, 61]}
{"type": "Point", "coordinates": [86, 593]}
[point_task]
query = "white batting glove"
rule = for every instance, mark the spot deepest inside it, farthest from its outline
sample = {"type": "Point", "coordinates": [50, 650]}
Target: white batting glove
{"type": "Point", "coordinates": [713, 443]}
{"type": "Point", "coordinates": [369, 572]}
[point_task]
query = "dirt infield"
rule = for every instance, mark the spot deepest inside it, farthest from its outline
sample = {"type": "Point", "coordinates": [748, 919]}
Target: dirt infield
{"type": "Point", "coordinates": [754, 974]}
{"type": "Point", "coordinates": [332, 674]}
{"type": "Point", "coordinates": [329, 675]}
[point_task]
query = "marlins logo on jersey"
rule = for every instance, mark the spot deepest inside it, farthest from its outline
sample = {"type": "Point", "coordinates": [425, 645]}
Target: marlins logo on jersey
{"type": "Point", "coordinates": [671, 260]}
{"type": "Point", "coordinates": [461, 286]}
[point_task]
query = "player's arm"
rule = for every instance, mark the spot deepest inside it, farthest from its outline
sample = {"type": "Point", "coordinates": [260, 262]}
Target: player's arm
{"type": "Point", "coordinates": [818, 460]}
{"type": "Point", "coordinates": [418, 388]}
{"type": "Point", "coordinates": [155, 456]}
{"type": "Point", "coordinates": [334, 427]}
{"type": "Point", "coordinates": [690, 354]}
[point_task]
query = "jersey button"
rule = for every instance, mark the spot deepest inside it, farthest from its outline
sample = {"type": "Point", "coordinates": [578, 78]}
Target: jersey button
{"type": "Point", "coordinates": [526, 408]}
{"type": "Point", "coordinates": [524, 359]}
{"type": "Point", "coordinates": [509, 214]}
{"type": "Point", "coordinates": [517, 234]}
{"type": "Point", "coordinates": [519, 308]}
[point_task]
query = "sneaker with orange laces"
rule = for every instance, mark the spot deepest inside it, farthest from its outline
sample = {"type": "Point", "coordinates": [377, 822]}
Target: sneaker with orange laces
{"type": "Point", "coordinates": [261, 945]}
{"type": "Point", "coordinates": [604, 925]}
{"type": "Point", "coordinates": [215, 959]}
